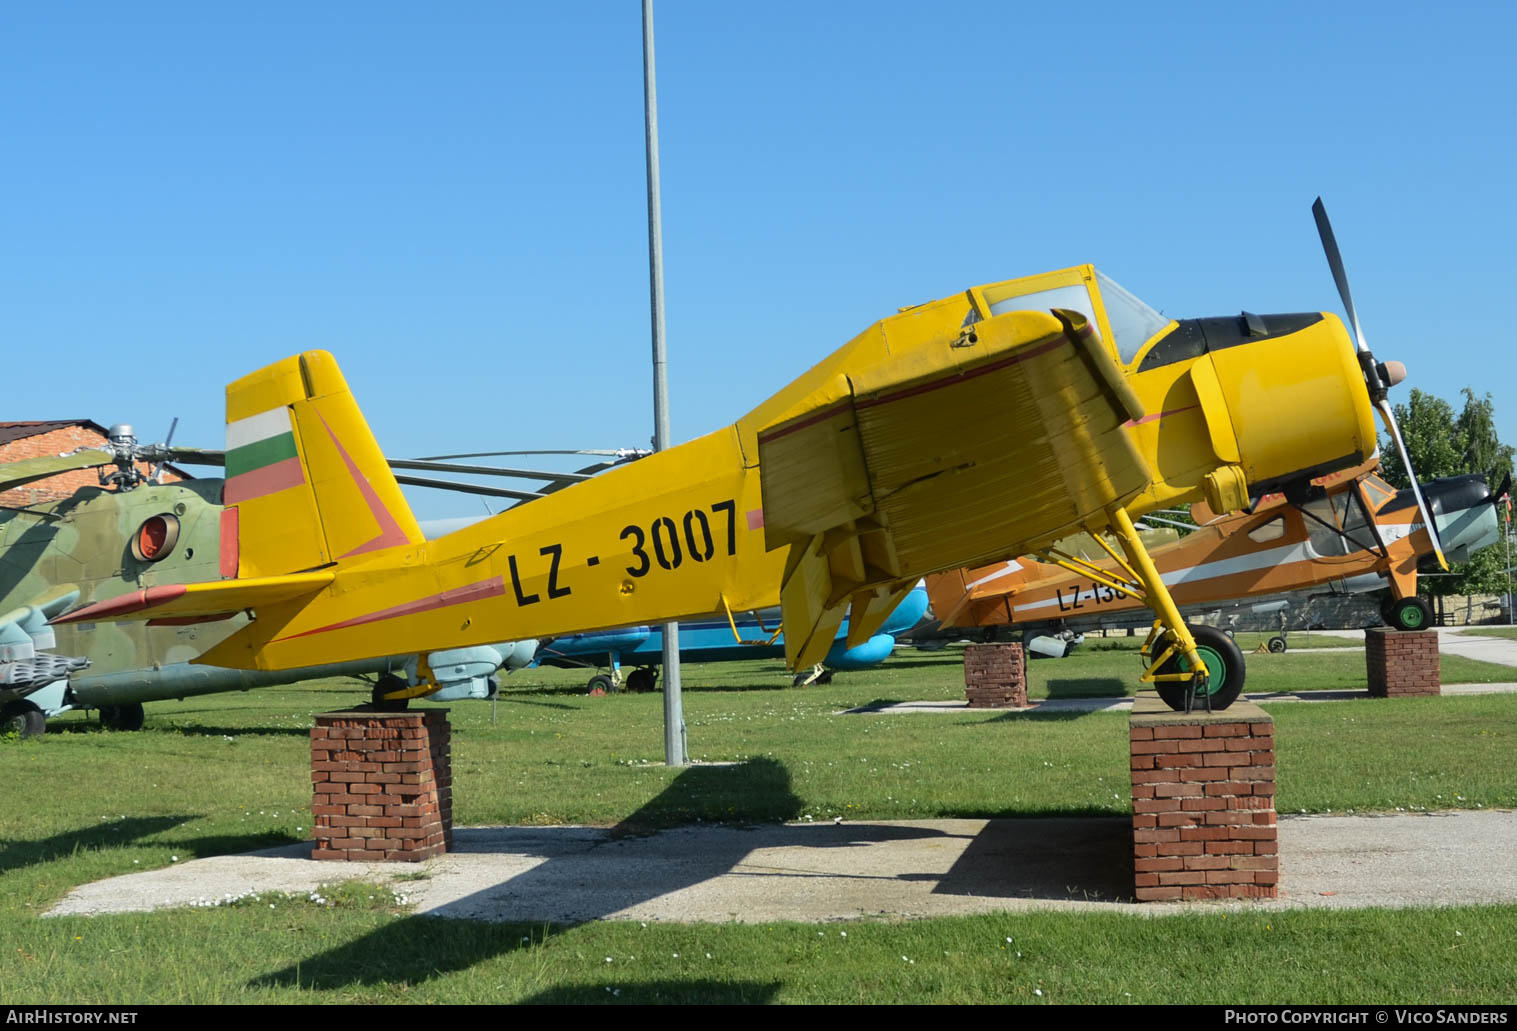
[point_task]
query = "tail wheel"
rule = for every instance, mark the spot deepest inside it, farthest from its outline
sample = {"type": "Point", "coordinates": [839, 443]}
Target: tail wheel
{"type": "Point", "coordinates": [383, 686]}
{"type": "Point", "coordinates": [23, 718]}
{"type": "Point", "coordinates": [1224, 668]}
{"type": "Point", "coordinates": [121, 717]}
{"type": "Point", "coordinates": [1410, 614]}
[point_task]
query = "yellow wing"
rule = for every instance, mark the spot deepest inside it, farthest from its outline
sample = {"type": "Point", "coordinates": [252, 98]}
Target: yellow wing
{"type": "Point", "coordinates": [1017, 443]}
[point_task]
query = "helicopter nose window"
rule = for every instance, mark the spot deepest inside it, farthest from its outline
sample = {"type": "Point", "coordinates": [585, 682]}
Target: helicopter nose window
{"type": "Point", "coordinates": [155, 538]}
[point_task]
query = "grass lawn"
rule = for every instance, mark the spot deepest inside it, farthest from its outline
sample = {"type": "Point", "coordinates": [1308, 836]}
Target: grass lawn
{"type": "Point", "coordinates": [228, 773]}
{"type": "Point", "coordinates": [1508, 632]}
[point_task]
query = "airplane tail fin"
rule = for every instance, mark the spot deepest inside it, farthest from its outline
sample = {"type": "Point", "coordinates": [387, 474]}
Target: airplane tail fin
{"type": "Point", "coordinates": [948, 593]}
{"type": "Point", "coordinates": [306, 483]}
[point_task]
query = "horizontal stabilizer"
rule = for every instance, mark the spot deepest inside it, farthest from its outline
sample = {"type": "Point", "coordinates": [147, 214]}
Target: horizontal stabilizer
{"type": "Point", "coordinates": [214, 598]}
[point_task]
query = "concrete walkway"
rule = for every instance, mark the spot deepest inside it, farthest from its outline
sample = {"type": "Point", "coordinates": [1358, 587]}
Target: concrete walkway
{"type": "Point", "coordinates": [829, 872]}
{"type": "Point", "coordinates": [1476, 646]}
{"type": "Point", "coordinates": [959, 705]}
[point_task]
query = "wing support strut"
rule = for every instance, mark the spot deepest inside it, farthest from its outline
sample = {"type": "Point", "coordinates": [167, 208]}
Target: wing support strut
{"type": "Point", "coordinates": [1169, 636]}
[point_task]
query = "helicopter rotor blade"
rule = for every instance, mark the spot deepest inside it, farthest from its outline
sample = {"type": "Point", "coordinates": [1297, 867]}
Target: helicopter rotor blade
{"type": "Point", "coordinates": [157, 473]}
{"type": "Point", "coordinates": [613, 453]}
{"type": "Point", "coordinates": [468, 488]}
{"type": "Point", "coordinates": [28, 470]}
{"type": "Point", "coordinates": [426, 465]}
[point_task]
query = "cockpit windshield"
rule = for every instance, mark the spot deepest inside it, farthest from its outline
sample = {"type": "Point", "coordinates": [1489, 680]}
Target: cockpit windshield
{"type": "Point", "coordinates": [1132, 323]}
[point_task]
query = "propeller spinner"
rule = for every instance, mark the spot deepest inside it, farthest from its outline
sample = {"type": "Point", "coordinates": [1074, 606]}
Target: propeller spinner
{"type": "Point", "coordinates": [1378, 377]}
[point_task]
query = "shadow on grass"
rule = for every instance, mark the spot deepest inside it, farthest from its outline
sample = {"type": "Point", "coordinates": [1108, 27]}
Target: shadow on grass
{"type": "Point", "coordinates": [1087, 687]}
{"type": "Point", "coordinates": [1034, 716]}
{"type": "Point", "coordinates": [697, 991]}
{"type": "Point", "coordinates": [232, 844]}
{"type": "Point", "coordinates": [17, 854]}
{"type": "Point", "coordinates": [202, 730]}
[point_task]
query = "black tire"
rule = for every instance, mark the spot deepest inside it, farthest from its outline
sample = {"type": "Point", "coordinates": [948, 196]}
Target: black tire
{"type": "Point", "coordinates": [1224, 663]}
{"type": "Point", "coordinates": [642, 680]}
{"type": "Point", "coordinates": [23, 718]}
{"type": "Point", "coordinates": [383, 686]}
{"type": "Point", "coordinates": [121, 717]}
{"type": "Point", "coordinates": [601, 682]}
{"type": "Point", "coordinates": [1410, 614]}
{"type": "Point", "coordinates": [1277, 645]}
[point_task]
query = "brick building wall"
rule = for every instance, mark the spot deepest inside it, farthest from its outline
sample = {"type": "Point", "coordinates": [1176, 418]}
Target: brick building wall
{"type": "Point", "coordinates": [45, 439]}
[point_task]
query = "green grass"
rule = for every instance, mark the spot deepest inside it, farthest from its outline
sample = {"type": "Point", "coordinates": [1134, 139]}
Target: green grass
{"type": "Point", "coordinates": [302, 952]}
{"type": "Point", "coordinates": [1508, 632]}
{"type": "Point", "coordinates": [228, 773]}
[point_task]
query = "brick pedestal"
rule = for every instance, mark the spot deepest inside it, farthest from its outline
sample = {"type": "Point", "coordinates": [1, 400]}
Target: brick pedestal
{"type": "Point", "coordinates": [1203, 799]}
{"type": "Point", "coordinates": [383, 785]}
{"type": "Point", "coordinates": [995, 676]}
{"type": "Point", "coordinates": [1402, 662]}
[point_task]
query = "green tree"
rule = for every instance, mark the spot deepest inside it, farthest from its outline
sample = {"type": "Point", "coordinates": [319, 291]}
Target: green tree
{"type": "Point", "coordinates": [1440, 443]}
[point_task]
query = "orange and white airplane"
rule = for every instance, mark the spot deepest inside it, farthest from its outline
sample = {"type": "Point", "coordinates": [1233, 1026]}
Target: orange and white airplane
{"type": "Point", "coordinates": [1350, 530]}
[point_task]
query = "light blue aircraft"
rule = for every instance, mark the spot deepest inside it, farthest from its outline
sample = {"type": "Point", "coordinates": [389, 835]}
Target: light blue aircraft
{"type": "Point", "coordinates": [713, 638]}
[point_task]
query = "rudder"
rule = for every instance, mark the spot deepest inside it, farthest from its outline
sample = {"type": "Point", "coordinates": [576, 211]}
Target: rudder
{"type": "Point", "coordinates": [306, 483]}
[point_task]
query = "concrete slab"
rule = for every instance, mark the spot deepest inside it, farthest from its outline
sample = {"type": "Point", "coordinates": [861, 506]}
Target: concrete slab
{"type": "Point", "coordinates": [829, 872]}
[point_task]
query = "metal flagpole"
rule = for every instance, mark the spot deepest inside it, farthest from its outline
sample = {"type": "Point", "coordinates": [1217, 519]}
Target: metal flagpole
{"type": "Point", "coordinates": [674, 710]}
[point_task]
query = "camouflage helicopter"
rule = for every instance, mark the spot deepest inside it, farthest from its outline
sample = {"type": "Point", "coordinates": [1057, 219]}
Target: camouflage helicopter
{"type": "Point", "coordinates": [135, 531]}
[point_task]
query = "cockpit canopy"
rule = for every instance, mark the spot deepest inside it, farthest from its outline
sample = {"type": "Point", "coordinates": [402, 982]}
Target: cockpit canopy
{"type": "Point", "coordinates": [1122, 318]}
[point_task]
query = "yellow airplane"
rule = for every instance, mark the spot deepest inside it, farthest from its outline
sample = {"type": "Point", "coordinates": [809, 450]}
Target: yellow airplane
{"type": "Point", "coordinates": [981, 426]}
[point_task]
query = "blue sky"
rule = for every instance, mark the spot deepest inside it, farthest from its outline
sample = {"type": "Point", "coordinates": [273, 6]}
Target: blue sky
{"type": "Point", "coordinates": [451, 199]}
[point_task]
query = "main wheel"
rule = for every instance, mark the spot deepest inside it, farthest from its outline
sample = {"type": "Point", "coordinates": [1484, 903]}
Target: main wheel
{"type": "Point", "coordinates": [1224, 667]}
{"type": "Point", "coordinates": [121, 717]}
{"type": "Point", "coordinates": [604, 684]}
{"type": "Point", "coordinates": [1410, 614]}
{"type": "Point", "coordinates": [642, 680]}
{"type": "Point", "coordinates": [22, 717]}
{"type": "Point", "coordinates": [383, 686]}
{"type": "Point", "coordinates": [1277, 645]}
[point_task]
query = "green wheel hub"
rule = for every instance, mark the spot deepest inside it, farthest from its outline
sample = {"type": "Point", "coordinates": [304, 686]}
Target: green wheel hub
{"type": "Point", "coordinates": [1216, 667]}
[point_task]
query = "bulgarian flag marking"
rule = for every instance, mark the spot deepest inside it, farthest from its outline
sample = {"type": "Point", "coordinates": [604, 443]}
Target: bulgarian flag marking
{"type": "Point", "coordinates": [261, 456]}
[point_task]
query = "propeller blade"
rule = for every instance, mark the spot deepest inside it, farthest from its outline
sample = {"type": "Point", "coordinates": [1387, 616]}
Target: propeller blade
{"type": "Point", "coordinates": [1335, 262]}
{"type": "Point", "coordinates": [1406, 462]}
{"type": "Point", "coordinates": [1503, 490]}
